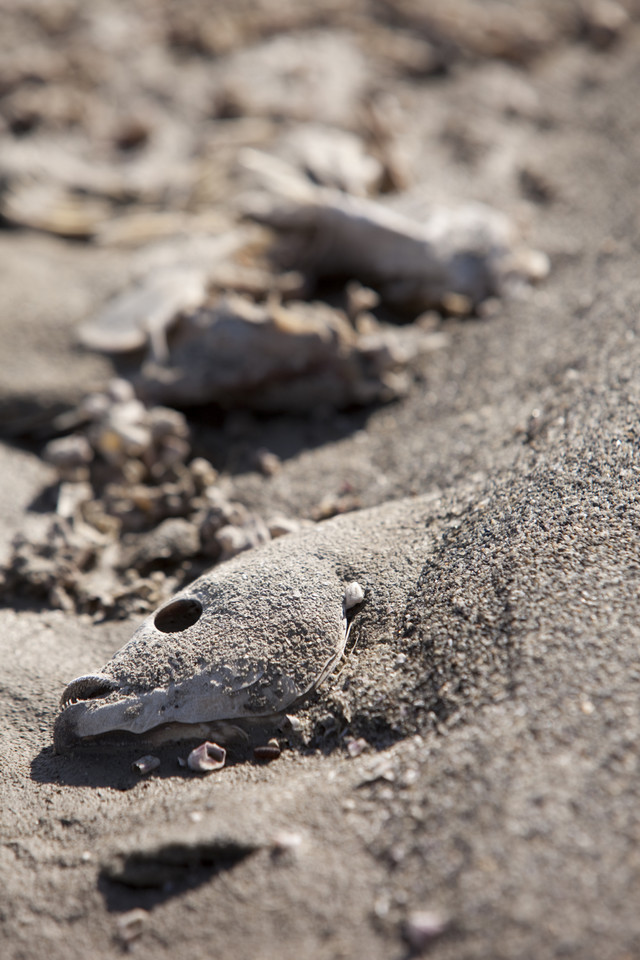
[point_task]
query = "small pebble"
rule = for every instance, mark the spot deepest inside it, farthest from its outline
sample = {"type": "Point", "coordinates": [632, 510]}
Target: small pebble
{"type": "Point", "coordinates": [268, 463]}
{"type": "Point", "coordinates": [457, 304]}
{"type": "Point", "coordinates": [269, 751]}
{"type": "Point", "coordinates": [360, 298]}
{"type": "Point", "coordinates": [286, 842]}
{"type": "Point", "coordinates": [281, 526]}
{"type": "Point", "coordinates": [67, 453]}
{"type": "Point", "coordinates": [203, 473]}
{"type": "Point", "coordinates": [207, 757]}
{"type": "Point", "coordinates": [145, 764]}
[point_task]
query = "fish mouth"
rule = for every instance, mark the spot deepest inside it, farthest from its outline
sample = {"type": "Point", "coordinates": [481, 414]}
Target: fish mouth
{"type": "Point", "coordinates": [88, 687]}
{"type": "Point", "coordinates": [77, 697]}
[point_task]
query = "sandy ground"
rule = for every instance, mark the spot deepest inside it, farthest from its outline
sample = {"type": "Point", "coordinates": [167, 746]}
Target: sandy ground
{"type": "Point", "coordinates": [499, 788]}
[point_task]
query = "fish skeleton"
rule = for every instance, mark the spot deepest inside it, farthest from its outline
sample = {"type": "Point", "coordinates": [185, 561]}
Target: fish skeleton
{"type": "Point", "coordinates": [249, 640]}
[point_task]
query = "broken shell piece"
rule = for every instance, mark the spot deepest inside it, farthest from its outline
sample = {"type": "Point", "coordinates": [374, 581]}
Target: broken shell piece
{"type": "Point", "coordinates": [280, 526]}
{"type": "Point", "coordinates": [54, 209]}
{"type": "Point", "coordinates": [286, 842]}
{"type": "Point", "coordinates": [145, 765]}
{"type": "Point", "coordinates": [68, 453]}
{"type": "Point", "coordinates": [234, 540]}
{"type": "Point", "coordinates": [268, 751]}
{"type": "Point", "coordinates": [171, 280]}
{"type": "Point", "coordinates": [423, 927]}
{"type": "Point", "coordinates": [131, 924]}
{"type": "Point", "coordinates": [360, 299]}
{"type": "Point", "coordinates": [207, 757]}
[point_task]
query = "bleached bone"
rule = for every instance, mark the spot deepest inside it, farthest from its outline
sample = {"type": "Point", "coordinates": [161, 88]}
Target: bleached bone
{"type": "Point", "coordinates": [469, 251]}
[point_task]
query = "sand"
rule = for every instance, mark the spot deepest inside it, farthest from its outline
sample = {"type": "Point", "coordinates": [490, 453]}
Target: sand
{"type": "Point", "coordinates": [498, 787]}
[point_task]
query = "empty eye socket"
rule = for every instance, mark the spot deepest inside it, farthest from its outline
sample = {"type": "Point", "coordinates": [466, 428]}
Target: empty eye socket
{"type": "Point", "coordinates": [178, 615]}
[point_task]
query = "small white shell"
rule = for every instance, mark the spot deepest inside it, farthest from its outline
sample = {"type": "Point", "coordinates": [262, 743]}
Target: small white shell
{"type": "Point", "coordinates": [423, 927]}
{"type": "Point", "coordinates": [353, 595]}
{"type": "Point", "coordinates": [145, 764]}
{"type": "Point", "coordinates": [207, 757]}
{"type": "Point", "coordinates": [131, 924]}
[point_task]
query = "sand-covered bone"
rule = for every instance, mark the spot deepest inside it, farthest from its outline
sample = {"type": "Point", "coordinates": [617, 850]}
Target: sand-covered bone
{"type": "Point", "coordinates": [470, 250]}
{"type": "Point", "coordinates": [244, 643]}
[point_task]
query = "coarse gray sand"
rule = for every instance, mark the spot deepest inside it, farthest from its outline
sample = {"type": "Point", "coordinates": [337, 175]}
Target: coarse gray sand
{"type": "Point", "coordinates": [499, 787]}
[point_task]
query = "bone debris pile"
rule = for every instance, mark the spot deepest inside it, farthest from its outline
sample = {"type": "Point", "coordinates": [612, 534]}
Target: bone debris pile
{"type": "Point", "coordinates": [134, 514]}
{"type": "Point", "coordinates": [238, 321]}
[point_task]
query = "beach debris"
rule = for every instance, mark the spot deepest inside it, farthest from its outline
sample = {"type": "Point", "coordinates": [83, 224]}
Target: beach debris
{"type": "Point", "coordinates": [353, 595]}
{"type": "Point", "coordinates": [132, 515]}
{"type": "Point", "coordinates": [51, 208]}
{"type": "Point", "coordinates": [332, 157]}
{"type": "Point", "coordinates": [267, 751]}
{"type": "Point", "coordinates": [145, 765]}
{"type": "Point", "coordinates": [145, 313]}
{"type": "Point", "coordinates": [69, 455]}
{"type": "Point", "coordinates": [294, 357]}
{"type": "Point", "coordinates": [356, 747]}
{"type": "Point", "coordinates": [471, 251]}
{"type": "Point", "coordinates": [286, 845]}
{"type": "Point", "coordinates": [280, 526]}
{"type": "Point", "coordinates": [422, 927]}
{"type": "Point", "coordinates": [130, 925]}
{"type": "Point", "coordinates": [228, 651]}
{"type": "Point", "coordinates": [207, 757]}
{"type": "Point", "coordinates": [380, 769]}
{"type": "Point", "coordinates": [172, 279]}
{"type": "Point", "coordinates": [331, 77]}
{"type": "Point", "coordinates": [119, 430]}
{"type": "Point", "coordinates": [267, 462]}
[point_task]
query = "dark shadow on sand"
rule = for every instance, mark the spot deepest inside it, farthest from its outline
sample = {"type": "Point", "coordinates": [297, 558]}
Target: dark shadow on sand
{"type": "Point", "coordinates": [146, 877]}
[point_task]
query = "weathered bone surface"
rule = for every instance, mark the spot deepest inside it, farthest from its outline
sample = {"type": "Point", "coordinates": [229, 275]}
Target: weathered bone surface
{"type": "Point", "coordinates": [469, 251]}
{"type": "Point", "coordinates": [281, 357]}
{"type": "Point", "coordinates": [250, 639]}
{"type": "Point", "coordinates": [332, 157]}
{"type": "Point", "coordinates": [172, 280]}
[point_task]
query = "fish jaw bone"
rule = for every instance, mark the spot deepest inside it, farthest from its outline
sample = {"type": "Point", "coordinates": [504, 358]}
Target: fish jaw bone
{"type": "Point", "coordinates": [199, 699]}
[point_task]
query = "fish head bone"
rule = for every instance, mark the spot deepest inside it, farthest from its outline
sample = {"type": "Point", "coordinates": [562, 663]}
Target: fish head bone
{"type": "Point", "coordinates": [249, 639]}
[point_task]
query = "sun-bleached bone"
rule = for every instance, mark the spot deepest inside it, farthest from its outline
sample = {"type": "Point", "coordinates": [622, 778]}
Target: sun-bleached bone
{"type": "Point", "coordinates": [470, 251]}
